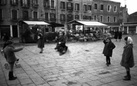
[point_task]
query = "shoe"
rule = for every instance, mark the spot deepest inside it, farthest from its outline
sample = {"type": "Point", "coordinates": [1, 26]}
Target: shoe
{"type": "Point", "coordinates": [125, 76]}
{"type": "Point", "coordinates": [107, 64]}
{"type": "Point", "coordinates": [11, 77]}
{"type": "Point", "coordinates": [17, 60]}
{"type": "Point", "coordinates": [127, 79]}
{"type": "Point", "coordinates": [40, 52]}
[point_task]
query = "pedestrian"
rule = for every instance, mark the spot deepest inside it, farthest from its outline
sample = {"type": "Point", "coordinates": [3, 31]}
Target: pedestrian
{"type": "Point", "coordinates": [116, 35]}
{"type": "Point", "coordinates": [40, 40]}
{"type": "Point", "coordinates": [5, 37]}
{"type": "Point", "coordinates": [9, 53]}
{"type": "Point", "coordinates": [127, 60]}
{"type": "Point", "coordinates": [120, 35]}
{"type": "Point", "coordinates": [108, 50]}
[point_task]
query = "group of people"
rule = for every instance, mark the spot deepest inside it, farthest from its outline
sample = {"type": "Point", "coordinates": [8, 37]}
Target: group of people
{"type": "Point", "coordinates": [127, 56]}
{"type": "Point", "coordinates": [60, 39]}
{"type": "Point", "coordinates": [118, 35]}
{"type": "Point", "coordinates": [127, 60]}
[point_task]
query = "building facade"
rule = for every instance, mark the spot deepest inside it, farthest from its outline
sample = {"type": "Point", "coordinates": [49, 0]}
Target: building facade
{"type": "Point", "coordinates": [130, 27]}
{"type": "Point", "coordinates": [59, 11]}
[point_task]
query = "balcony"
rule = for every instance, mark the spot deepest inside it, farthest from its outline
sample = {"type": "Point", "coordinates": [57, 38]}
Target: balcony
{"type": "Point", "coordinates": [46, 7]}
{"type": "Point", "coordinates": [14, 20]}
{"type": "Point", "coordinates": [25, 6]}
{"type": "Point", "coordinates": [35, 5]}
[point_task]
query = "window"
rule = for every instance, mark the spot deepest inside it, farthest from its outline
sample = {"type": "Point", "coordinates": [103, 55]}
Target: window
{"type": "Point", "coordinates": [89, 7]}
{"type": "Point", "coordinates": [1, 14]}
{"type": "Point", "coordinates": [14, 15]}
{"type": "Point", "coordinates": [114, 19]}
{"type": "Point", "coordinates": [46, 16]}
{"type": "Point", "coordinates": [35, 2]}
{"type": "Point", "coordinates": [46, 3]}
{"type": "Point", "coordinates": [115, 8]}
{"type": "Point", "coordinates": [108, 19]}
{"type": "Point", "coordinates": [77, 7]}
{"type": "Point", "coordinates": [52, 4]}
{"type": "Point", "coordinates": [69, 17]}
{"type": "Point", "coordinates": [95, 6]}
{"type": "Point", "coordinates": [52, 17]}
{"type": "Point", "coordinates": [101, 7]}
{"type": "Point", "coordinates": [69, 6]}
{"type": "Point", "coordinates": [25, 15]}
{"type": "Point", "coordinates": [25, 3]}
{"type": "Point", "coordinates": [95, 17]}
{"type": "Point", "coordinates": [85, 8]}
{"type": "Point", "coordinates": [35, 14]}
{"type": "Point", "coordinates": [3, 2]}
{"type": "Point", "coordinates": [76, 16]}
{"type": "Point", "coordinates": [101, 18]}
{"type": "Point", "coordinates": [109, 8]}
{"type": "Point", "coordinates": [90, 17]}
{"type": "Point", "coordinates": [62, 17]}
{"type": "Point", "coordinates": [13, 2]}
{"type": "Point", "coordinates": [62, 5]}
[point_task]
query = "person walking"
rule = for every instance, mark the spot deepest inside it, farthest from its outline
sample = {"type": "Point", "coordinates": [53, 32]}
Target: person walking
{"type": "Point", "coordinates": [116, 34]}
{"type": "Point", "coordinates": [127, 60]}
{"type": "Point", "coordinates": [120, 35]}
{"type": "Point", "coordinates": [40, 40]}
{"type": "Point", "coordinates": [5, 37]}
{"type": "Point", "coordinates": [108, 50]}
{"type": "Point", "coordinates": [9, 53]}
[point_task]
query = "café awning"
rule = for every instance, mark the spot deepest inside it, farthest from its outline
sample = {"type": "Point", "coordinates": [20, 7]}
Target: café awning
{"type": "Point", "coordinates": [89, 23]}
{"type": "Point", "coordinates": [35, 22]}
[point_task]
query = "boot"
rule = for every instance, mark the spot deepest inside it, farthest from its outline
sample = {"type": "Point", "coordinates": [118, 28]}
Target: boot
{"type": "Point", "coordinates": [128, 77]}
{"type": "Point", "coordinates": [11, 77]}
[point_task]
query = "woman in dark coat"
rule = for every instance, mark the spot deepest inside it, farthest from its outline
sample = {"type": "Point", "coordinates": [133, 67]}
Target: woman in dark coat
{"type": "Point", "coordinates": [108, 50]}
{"type": "Point", "coordinates": [128, 57]}
{"type": "Point", "coordinates": [40, 41]}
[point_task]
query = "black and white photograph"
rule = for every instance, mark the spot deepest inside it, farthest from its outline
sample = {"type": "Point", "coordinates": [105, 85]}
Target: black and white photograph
{"type": "Point", "coordinates": [68, 42]}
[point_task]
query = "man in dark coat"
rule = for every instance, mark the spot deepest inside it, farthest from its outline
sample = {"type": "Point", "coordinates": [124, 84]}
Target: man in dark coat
{"type": "Point", "coordinates": [128, 57]}
{"type": "Point", "coordinates": [108, 50]}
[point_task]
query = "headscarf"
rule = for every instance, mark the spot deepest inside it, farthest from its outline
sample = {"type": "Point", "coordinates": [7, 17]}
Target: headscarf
{"type": "Point", "coordinates": [129, 40]}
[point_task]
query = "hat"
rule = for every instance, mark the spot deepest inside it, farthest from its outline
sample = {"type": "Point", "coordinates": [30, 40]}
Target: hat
{"type": "Point", "coordinates": [129, 40]}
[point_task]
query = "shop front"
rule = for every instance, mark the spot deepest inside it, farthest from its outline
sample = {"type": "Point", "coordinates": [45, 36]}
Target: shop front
{"type": "Point", "coordinates": [28, 30]}
{"type": "Point", "coordinates": [87, 30]}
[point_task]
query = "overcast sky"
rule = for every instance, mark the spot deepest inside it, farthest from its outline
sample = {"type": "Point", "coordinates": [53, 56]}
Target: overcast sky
{"type": "Point", "coordinates": [131, 5]}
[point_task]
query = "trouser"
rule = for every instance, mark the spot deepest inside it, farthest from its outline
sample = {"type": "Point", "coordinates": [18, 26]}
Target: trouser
{"type": "Point", "coordinates": [128, 72]}
{"type": "Point", "coordinates": [11, 76]}
{"type": "Point", "coordinates": [108, 59]}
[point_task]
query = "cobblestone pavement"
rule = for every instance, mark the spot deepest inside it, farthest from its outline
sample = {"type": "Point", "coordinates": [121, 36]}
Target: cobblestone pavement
{"type": "Point", "coordinates": [82, 65]}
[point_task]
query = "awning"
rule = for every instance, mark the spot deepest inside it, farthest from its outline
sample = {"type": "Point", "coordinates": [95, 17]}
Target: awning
{"type": "Point", "coordinates": [89, 23]}
{"type": "Point", "coordinates": [36, 23]}
{"type": "Point", "coordinates": [54, 24]}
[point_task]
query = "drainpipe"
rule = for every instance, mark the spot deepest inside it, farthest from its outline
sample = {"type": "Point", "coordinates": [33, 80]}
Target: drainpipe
{"type": "Point", "coordinates": [136, 29]}
{"type": "Point", "coordinates": [127, 29]}
{"type": "Point", "coordinates": [11, 32]}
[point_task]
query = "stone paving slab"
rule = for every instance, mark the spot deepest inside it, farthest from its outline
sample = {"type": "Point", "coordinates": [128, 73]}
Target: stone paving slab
{"type": "Point", "coordinates": [82, 65]}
